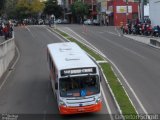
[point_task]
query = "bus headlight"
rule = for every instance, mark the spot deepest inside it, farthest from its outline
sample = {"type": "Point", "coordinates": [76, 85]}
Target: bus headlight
{"type": "Point", "coordinates": [62, 103]}
{"type": "Point", "coordinates": [98, 100]}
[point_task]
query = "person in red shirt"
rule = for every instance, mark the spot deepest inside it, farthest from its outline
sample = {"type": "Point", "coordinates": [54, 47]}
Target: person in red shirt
{"type": "Point", "coordinates": [6, 31]}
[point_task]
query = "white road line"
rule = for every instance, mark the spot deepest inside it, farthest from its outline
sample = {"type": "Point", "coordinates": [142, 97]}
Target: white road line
{"type": "Point", "coordinates": [127, 49]}
{"type": "Point", "coordinates": [106, 103]}
{"type": "Point", "coordinates": [92, 47]}
{"type": "Point", "coordinates": [62, 40]}
{"type": "Point", "coordinates": [29, 31]}
{"type": "Point", "coordinates": [112, 33]}
{"type": "Point", "coordinates": [129, 86]}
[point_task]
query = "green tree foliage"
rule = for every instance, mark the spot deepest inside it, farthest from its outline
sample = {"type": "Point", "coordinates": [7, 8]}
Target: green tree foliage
{"type": "Point", "coordinates": [52, 7]}
{"type": "Point", "coordinates": [79, 8]}
{"type": "Point", "coordinates": [2, 4]}
{"type": "Point", "coordinates": [28, 8]}
{"type": "Point", "coordinates": [10, 8]}
{"type": "Point", "coordinates": [36, 6]}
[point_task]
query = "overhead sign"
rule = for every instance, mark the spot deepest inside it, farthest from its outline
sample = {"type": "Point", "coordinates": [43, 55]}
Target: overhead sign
{"type": "Point", "coordinates": [78, 71]}
{"type": "Point", "coordinates": [123, 9]}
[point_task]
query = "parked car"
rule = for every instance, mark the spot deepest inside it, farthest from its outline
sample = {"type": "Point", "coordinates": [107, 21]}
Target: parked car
{"type": "Point", "coordinates": [65, 21]}
{"type": "Point", "coordinates": [58, 21]}
{"type": "Point", "coordinates": [96, 22]}
{"type": "Point", "coordinates": [14, 23]}
{"type": "Point", "coordinates": [46, 22]}
{"type": "Point", "coordinates": [88, 22]}
{"type": "Point", "coordinates": [40, 22]}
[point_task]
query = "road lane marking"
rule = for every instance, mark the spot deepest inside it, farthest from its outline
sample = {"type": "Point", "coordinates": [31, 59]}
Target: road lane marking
{"type": "Point", "coordinates": [125, 80]}
{"type": "Point", "coordinates": [62, 40]}
{"type": "Point", "coordinates": [106, 103]}
{"type": "Point", "coordinates": [127, 49]}
{"type": "Point", "coordinates": [112, 33]}
{"type": "Point", "coordinates": [30, 32]}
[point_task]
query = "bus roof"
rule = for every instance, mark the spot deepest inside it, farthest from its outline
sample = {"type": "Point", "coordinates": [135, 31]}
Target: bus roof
{"type": "Point", "coordinates": [69, 55]}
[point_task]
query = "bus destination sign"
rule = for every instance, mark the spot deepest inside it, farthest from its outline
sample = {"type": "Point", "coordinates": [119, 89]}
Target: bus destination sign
{"type": "Point", "coordinates": [78, 71]}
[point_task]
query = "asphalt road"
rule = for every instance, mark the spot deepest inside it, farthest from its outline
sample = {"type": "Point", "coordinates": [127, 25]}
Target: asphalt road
{"type": "Point", "coordinates": [139, 63]}
{"type": "Point", "coordinates": [27, 91]}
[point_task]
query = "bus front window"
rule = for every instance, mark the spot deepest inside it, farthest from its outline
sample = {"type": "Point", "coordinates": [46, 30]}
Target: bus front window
{"type": "Point", "coordinates": [73, 86]}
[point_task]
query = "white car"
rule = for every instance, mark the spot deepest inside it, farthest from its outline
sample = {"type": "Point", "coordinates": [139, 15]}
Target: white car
{"type": "Point", "coordinates": [58, 21]}
{"type": "Point", "coordinates": [88, 22]}
{"type": "Point", "coordinates": [40, 22]}
{"type": "Point", "coordinates": [96, 22]}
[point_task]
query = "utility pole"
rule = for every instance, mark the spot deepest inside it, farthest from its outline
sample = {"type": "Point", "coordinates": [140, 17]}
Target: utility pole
{"type": "Point", "coordinates": [142, 10]}
{"type": "Point", "coordinates": [127, 11]}
{"type": "Point", "coordinates": [64, 9]}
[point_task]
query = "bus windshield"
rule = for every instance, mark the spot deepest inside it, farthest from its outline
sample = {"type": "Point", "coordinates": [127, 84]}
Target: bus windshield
{"type": "Point", "coordinates": [79, 86]}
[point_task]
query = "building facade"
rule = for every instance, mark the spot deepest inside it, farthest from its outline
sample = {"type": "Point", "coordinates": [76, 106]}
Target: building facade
{"type": "Point", "coordinates": [122, 12]}
{"type": "Point", "coordinates": [154, 14]}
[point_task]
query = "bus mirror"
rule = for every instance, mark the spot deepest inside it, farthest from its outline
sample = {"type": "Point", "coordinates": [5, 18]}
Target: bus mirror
{"type": "Point", "coordinates": [56, 85]}
{"type": "Point", "coordinates": [100, 78]}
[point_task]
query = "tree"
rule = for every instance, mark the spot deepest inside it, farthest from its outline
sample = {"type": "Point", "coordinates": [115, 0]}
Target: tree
{"type": "Point", "coordinates": [28, 8]}
{"type": "Point", "coordinates": [36, 7]}
{"type": "Point", "coordinates": [23, 9]}
{"type": "Point", "coordinates": [10, 8]}
{"type": "Point", "coordinates": [2, 4]}
{"type": "Point", "coordinates": [52, 7]}
{"type": "Point", "coordinates": [79, 9]}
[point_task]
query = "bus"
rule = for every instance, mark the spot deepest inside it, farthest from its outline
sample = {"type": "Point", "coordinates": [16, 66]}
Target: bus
{"type": "Point", "coordinates": [75, 78]}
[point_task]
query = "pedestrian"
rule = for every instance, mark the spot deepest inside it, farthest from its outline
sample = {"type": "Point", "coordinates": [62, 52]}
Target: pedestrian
{"type": "Point", "coordinates": [10, 27]}
{"type": "Point", "coordinates": [1, 30]}
{"type": "Point", "coordinates": [5, 31]}
{"type": "Point", "coordinates": [107, 20]}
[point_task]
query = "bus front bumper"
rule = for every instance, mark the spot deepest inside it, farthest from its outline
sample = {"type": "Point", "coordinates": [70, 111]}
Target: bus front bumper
{"type": "Point", "coordinates": [75, 110]}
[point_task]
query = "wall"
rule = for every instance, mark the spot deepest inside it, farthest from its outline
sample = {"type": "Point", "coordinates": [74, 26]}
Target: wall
{"type": "Point", "coordinates": [154, 12]}
{"type": "Point", "coordinates": [7, 53]}
{"type": "Point", "coordinates": [119, 18]}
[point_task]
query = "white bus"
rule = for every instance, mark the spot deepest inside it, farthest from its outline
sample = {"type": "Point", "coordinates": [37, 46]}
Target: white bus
{"type": "Point", "coordinates": [75, 78]}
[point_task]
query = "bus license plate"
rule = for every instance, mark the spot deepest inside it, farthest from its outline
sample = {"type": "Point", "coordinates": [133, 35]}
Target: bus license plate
{"type": "Point", "coordinates": [81, 109]}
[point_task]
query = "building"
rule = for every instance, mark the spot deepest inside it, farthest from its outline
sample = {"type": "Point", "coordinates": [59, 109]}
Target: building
{"type": "Point", "coordinates": [121, 12]}
{"type": "Point", "coordinates": [154, 14]}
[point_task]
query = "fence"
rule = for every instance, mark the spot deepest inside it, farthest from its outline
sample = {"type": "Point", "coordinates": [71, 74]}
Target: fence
{"type": "Point", "coordinates": [7, 53]}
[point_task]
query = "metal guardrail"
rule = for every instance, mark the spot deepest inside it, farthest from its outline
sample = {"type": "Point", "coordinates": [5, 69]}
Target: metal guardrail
{"type": "Point", "coordinates": [7, 53]}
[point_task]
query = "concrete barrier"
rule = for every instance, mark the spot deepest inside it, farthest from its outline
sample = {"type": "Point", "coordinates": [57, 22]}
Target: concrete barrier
{"type": "Point", "coordinates": [155, 42]}
{"type": "Point", "coordinates": [7, 53]}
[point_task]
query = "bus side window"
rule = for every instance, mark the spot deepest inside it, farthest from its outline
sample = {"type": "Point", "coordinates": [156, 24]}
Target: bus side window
{"type": "Point", "coordinates": [50, 62]}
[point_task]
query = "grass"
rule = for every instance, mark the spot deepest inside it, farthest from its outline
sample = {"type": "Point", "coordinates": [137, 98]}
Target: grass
{"type": "Point", "coordinates": [118, 90]}
{"type": "Point", "coordinates": [127, 108]}
{"type": "Point", "coordinates": [62, 33]}
{"type": "Point", "coordinates": [84, 47]}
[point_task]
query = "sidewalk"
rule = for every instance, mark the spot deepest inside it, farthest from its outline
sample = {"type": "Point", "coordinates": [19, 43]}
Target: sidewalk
{"type": "Point", "coordinates": [2, 39]}
{"type": "Point", "coordinates": [142, 39]}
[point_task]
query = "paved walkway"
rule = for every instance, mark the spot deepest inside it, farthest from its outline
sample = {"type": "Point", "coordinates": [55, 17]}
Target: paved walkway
{"type": "Point", "coordinates": [141, 39]}
{"type": "Point", "coordinates": [1, 39]}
